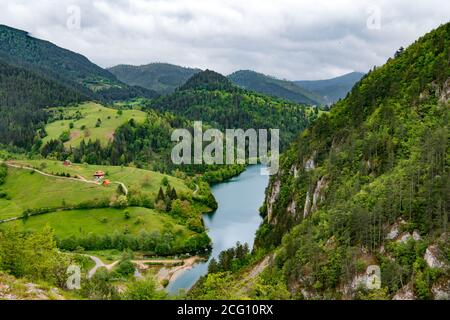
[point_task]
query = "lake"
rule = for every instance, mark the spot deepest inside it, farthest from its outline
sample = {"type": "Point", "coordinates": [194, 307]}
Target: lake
{"type": "Point", "coordinates": [236, 219]}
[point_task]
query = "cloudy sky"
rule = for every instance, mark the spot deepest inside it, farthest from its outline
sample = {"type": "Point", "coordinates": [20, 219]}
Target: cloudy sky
{"type": "Point", "coordinates": [291, 39]}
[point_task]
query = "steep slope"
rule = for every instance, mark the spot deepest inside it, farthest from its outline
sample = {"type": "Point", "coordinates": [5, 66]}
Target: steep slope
{"type": "Point", "coordinates": [274, 87]}
{"type": "Point", "coordinates": [23, 95]}
{"type": "Point", "coordinates": [212, 98]}
{"type": "Point", "coordinates": [363, 189]}
{"type": "Point", "coordinates": [163, 78]}
{"type": "Point", "coordinates": [18, 48]}
{"type": "Point", "coordinates": [369, 184]}
{"type": "Point", "coordinates": [331, 90]}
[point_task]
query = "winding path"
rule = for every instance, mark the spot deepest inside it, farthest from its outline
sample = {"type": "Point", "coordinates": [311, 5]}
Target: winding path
{"type": "Point", "coordinates": [81, 179]}
{"type": "Point", "coordinates": [99, 264]}
{"type": "Point", "coordinates": [78, 179]}
{"type": "Point", "coordinates": [144, 264]}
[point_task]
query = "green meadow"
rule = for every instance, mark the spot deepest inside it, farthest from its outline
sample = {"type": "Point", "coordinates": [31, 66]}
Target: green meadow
{"type": "Point", "coordinates": [25, 189]}
{"type": "Point", "coordinates": [80, 223]}
{"type": "Point", "coordinates": [84, 120]}
{"type": "Point", "coordinates": [144, 180]}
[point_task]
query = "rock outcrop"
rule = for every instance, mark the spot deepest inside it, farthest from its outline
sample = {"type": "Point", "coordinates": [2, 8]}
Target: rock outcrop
{"type": "Point", "coordinates": [405, 293]}
{"type": "Point", "coordinates": [311, 205]}
{"type": "Point", "coordinates": [273, 196]}
{"type": "Point", "coordinates": [432, 257]}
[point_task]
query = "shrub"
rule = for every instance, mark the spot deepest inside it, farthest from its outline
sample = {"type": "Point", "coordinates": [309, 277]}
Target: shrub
{"type": "Point", "coordinates": [144, 289]}
{"type": "Point", "coordinates": [120, 202]}
{"type": "Point", "coordinates": [125, 268]}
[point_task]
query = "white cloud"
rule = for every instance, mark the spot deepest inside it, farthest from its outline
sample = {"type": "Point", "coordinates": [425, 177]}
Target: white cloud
{"type": "Point", "coordinates": [287, 38]}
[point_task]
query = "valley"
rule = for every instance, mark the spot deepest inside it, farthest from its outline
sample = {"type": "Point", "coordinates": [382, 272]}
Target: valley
{"type": "Point", "coordinates": [358, 209]}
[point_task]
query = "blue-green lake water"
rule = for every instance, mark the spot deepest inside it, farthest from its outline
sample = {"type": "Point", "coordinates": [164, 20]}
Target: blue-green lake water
{"type": "Point", "coordinates": [236, 219]}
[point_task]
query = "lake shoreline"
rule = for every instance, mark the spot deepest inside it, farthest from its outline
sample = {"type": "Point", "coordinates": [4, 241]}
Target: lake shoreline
{"type": "Point", "coordinates": [236, 219]}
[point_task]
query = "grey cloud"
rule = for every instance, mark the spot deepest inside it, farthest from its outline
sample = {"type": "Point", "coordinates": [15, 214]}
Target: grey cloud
{"type": "Point", "coordinates": [286, 38]}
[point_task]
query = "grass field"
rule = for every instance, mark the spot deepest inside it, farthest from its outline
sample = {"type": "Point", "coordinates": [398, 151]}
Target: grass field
{"type": "Point", "coordinates": [144, 180]}
{"type": "Point", "coordinates": [27, 190]}
{"type": "Point", "coordinates": [101, 221]}
{"type": "Point", "coordinates": [85, 127]}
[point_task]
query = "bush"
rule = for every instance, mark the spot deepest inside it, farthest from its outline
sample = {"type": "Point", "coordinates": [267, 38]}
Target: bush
{"type": "Point", "coordinates": [125, 268]}
{"type": "Point", "coordinates": [65, 136]}
{"type": "Point", "coordinates": [120, 202]}
{"type": "Point", "coordinates": [99, 287]}
{"type": "Point", "coordinates": [144, 289]}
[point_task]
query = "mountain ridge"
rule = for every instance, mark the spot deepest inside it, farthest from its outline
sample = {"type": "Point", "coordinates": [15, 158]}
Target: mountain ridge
{"type": "Point", "coordinates": [18, 47]}
{"type": "Point", "coordinates": [163, 78]}
{"type": "Point", "coordinates": [332, 89]}
{"type": "Point", "coordinates": [272, 86]}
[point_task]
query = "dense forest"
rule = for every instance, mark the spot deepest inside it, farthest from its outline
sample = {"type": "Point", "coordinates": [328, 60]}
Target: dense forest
{"type": "Point", "coordinates": [207, 96]}
{"type": "Point", "coordinates": [367, 184]}
{"type": "Point", "coordinates": [213, 99]}
{"type": "Point", "coordinates": [23, 97]}
{"type": "Point", "coordinates": [36, 74]}
{"type": "Point", "coordinates": [70, 69]}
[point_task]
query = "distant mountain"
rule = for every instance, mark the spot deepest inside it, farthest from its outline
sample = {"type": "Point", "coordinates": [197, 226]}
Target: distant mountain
{"type": "Point", "coordinates": [331, 90]}
{"type": "Point", "coordinates": [18, 48]}
{"type": "Point", "coordinates": [274, 87]}
{"type": "Point", "coordinates": [212, 98]}
{"type": "Point", "coordinates": [163, 78]}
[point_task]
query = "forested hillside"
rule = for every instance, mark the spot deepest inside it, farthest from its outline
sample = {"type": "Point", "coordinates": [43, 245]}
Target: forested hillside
{"type": "Point", "coordinates": [18, 48]}
{"type": "Point", "coordinates": [36, 74]}
{"type": "Point", "coordinates": [23, 95]}
{"type": "Point", "coordinates": [212, 98]}
{"type": "Point", "coordinates": [367, 184]}
{"type": "Point", "coordinates": [163, 78]}
{"type": "Point", "coordinates": [275, 87]}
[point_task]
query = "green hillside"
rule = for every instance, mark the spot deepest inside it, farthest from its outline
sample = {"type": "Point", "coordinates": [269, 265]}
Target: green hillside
{"type": "Point", "coordinates": [212, 98]}
{"type": "Point", "coordinates": [103, 222]}
{"type": "Point", "coordinates": [367, 184]}
{"type": "Point", "coordinates": [274, 87]}
{"type": "Point", "coordinates": [24, 190]}
{"type": "Point", "coordinates": [135, 209]}
{"type": "Point", "coordinates": [135, 179]}
{"type": "Point", "coordinates": [42, 56]}
{"type": "Point", "coordinates": [18, 48]}
{"type": "Point", "coordinates": [82, 123]}
{"type": "Point", "coordinates": [23, 97]}
{"type": "Point", "coordinates": [163, 78]}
